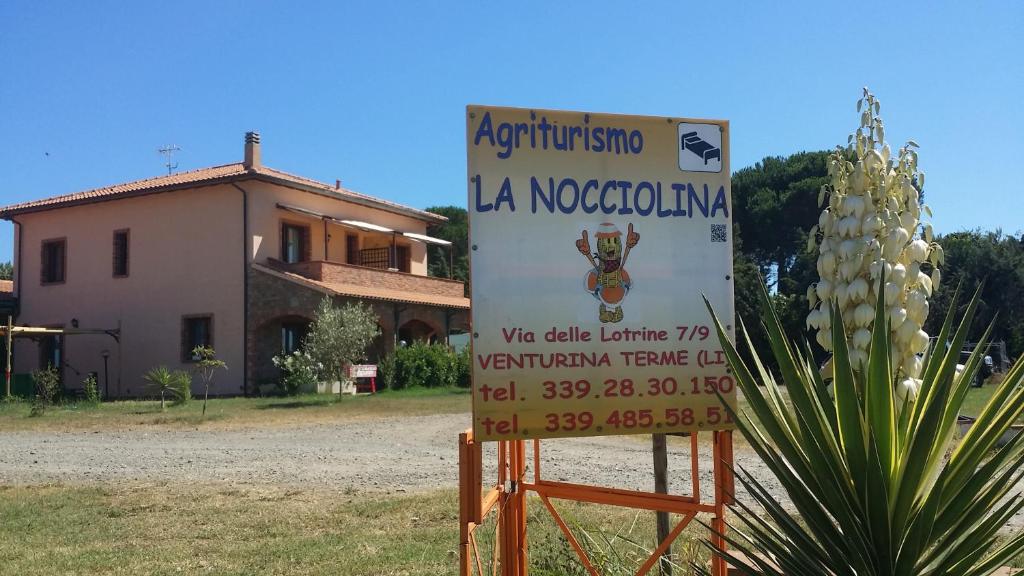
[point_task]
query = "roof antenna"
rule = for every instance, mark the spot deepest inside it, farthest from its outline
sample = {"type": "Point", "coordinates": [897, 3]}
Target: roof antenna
{"type": "Point", "coordinates": [169, 151]}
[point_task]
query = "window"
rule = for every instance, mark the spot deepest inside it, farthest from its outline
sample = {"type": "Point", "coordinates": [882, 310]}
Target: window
{"type": "Point", "coordinates": [51, 352]}
{"type": "Point", "coordinates": [294, 243]}
{"type": "Point", "coordinates": [120, 253]}
{"type": "Point", "coordinates": [292, 334]}
{"type": "Point", "coordinates": [195, 331]}
{"type": "Point", "coordinates": [352, 249]}
{"type": "Point", "coordinates": [403, 258]}
{"type": "Point", "coordinates": [53, 261]}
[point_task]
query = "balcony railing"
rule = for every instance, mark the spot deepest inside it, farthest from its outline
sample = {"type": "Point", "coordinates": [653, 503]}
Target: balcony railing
{"type": "Point", "coordinates": [336, 272]}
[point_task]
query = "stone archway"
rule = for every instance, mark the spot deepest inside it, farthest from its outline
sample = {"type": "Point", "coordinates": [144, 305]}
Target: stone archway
{"type": "Point", "coordinates": [417, 330]}
{"type": "Point", "coordinates": [275, 336]}
{"type": "Point", "coordinates": [378, 348]}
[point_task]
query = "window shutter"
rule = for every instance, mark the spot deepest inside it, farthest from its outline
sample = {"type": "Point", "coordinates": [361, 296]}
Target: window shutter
{"type": "Point", "coordinates": [284, 242]}
{"type": "Point", "coordinates": [186, 354]}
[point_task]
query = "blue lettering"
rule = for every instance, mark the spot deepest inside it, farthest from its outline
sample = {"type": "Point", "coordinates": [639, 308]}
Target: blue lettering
{"type": "Point", "coordinates": [484, 129]}
{"type": "Point", "coordinates": [636, 141]}
{"type": "Point", "coordinates": [505, 133]}
{"type": "Point", "coordinates": [720, 203]}
{"type": "Point", "coordinates": [625, 185]}
{"type": "Point", "coordinates": [661, 212]}
{"type": "Point", "coordinates": [617, 136]}
{"type": "Point", "coordinates": [586, 133]}
{"type": "Point", "coordinates": [480, 206]}
{"type": "Point", "coordinates": [598, 139]}
{"type": "Point", "coordinates": [588, 208]}
{"type": "Point", "coordinates": [607, 208]}
{"type": "Point", "coordinates": [505, 195]}
{"type": "Point", "coordinates": [537, 191]}
{"type": "Point", "coordinates": [692, 197]}
{"type": "Point", "coordinates": [568, 183]}
{"type": "Point", "coordinates": [679, 189]}
{"type": "Point", "coordinates": [636, 198]}
{"type": "Point", "coordinates": [544, 127]}
{"type": "Point", "coordinates": [565, 140]}
{"type": "Point", "coordinates": [573, 133]}
{"type": "Point", "coordinates": [521, 129]}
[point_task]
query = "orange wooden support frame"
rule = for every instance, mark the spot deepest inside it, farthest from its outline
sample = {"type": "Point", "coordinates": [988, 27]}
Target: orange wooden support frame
{"type": "Point", "coordinates": [508, 497]}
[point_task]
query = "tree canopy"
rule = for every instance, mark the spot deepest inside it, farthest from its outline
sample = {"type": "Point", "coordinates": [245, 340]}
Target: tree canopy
{"type": "Point", "coordinates": [977, 256]}
{"type": "Point", "coordinates": [456, 231]}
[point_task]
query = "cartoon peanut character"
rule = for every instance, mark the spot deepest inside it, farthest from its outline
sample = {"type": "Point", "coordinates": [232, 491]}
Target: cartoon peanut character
{"type": "Point", "coordinates": [608, 280]}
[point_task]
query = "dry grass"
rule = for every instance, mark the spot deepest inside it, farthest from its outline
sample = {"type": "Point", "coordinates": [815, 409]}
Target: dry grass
{"type": "Point", "coordinates": [229, 413]}
{"type": "Point", "coordinates": [160, 529]}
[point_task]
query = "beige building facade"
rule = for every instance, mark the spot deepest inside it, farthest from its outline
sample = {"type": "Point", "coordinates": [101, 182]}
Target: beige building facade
{"type": "Point", "coordinates": [234, 256]}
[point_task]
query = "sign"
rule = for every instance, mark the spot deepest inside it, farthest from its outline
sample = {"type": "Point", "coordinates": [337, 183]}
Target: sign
{"type": "Point", "coordinates": [362, 371]}
{"type": "Point", "coordinates": [593, 237]}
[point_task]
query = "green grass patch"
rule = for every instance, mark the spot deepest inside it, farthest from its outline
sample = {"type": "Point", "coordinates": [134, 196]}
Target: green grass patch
{"type": "Point", "coordinates": [245, 530]}
{"type": "Point", "coordinates": [236, 412]}
{"type": "Point", "coordinates": [976, 400]}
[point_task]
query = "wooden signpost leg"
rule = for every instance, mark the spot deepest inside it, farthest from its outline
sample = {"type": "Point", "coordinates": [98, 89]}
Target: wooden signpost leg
{"type": "Point", "coordinates": [722, 454]}
{"type": "Point", "coordinates": [513, 513]}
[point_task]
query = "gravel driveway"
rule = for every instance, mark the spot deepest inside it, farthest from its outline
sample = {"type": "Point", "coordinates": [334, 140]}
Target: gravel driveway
{"type": "Point", "coordinates": [389, 455]}
{"type": "Point", "coordinates": [399, 454]}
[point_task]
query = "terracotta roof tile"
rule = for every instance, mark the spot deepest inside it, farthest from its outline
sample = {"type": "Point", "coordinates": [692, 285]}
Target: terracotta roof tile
{"type": "Point", "coordinates": [190, 177]}
{"type": "Point", "coordinates": [206, 175]}
{"type": "Point", "coordinates": [7, 292]}
{"type": "Point", "coordinates": [370, 293]}
{"type": "Point", "coordinates": [345, 192]}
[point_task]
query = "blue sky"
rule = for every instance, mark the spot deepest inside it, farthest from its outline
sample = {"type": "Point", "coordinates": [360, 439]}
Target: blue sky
{"type": "Point", "coordinates": [374, 93]}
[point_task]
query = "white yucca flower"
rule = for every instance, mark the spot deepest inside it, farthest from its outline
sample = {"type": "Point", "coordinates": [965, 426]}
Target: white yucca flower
{"type": "Point", "coordinates": [871, 225]}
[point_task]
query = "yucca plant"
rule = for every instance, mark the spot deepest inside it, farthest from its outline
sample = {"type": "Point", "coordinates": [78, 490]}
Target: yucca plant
{"type": "Point", "coordinates": [872, 222]}
{"type": "Point", "coordinates": [880, 487]}
{"type": "Point", "coordinates": [176, 383]}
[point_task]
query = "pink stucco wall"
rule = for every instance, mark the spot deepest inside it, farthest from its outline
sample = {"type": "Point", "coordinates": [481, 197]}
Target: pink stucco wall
{"type": "Point", "coordinates": [185, 257]}
{"type": "Point", "coordinates": [265, 221]}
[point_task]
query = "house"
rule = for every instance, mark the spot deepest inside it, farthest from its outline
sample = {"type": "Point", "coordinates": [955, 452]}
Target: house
{"type": "Point", "coordinates": [236, 257]}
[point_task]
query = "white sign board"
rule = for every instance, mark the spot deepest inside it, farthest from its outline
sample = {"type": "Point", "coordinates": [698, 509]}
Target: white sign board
{"type": "Point", "coordinates": [593, 237]}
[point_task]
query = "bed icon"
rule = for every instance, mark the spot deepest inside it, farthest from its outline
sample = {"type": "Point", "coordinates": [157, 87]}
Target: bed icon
{"type": "Point", "coordinates": [699, 147]}
{"type": "Point", "coordinates": [692, 142]}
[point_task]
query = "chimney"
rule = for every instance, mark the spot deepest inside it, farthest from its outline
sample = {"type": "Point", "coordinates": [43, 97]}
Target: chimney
{"type": "Point", "coordinates": [337, 184]}
{"type": "Point", "coordinates": [252, 150]}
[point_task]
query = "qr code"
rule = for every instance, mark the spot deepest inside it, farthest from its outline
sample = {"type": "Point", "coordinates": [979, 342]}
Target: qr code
{"type": "Point", "coordinates": [718, 233]}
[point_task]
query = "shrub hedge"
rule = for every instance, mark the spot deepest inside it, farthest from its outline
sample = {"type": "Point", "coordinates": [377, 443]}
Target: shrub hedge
{"type": "Point", "coordinates": [425, 365]}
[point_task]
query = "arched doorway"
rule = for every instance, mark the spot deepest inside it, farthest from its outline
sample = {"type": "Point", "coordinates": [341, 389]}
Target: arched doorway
{"type": "Point", "coordinates": [378, 347]}
{"type": "Point", "coordinates": [280, 335]}
{"type": "Point", "coordinates": [416, 331]}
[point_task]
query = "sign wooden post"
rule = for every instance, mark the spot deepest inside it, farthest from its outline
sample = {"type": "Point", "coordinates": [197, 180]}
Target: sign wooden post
{"type": "Point", "coordinates": [594, 240]}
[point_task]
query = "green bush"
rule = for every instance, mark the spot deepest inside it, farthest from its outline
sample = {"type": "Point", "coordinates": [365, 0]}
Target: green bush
{"type": "Point", "coordinates": [177, 383]}
{"type": "Point", "coordinates": [425, 365]}
{"type": "Point", "coordinates": [47, 384]}
{"type": "Point", "coordinates": [182, 388]}
{"type": "Point", "coordinates": [386, 372]}
{"type": "Point", "coordinates": [91, 390]}
{"type": "Point", "coordinates": [298, 372]}
{"type": "Point", "coordinates": [464, 358]}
